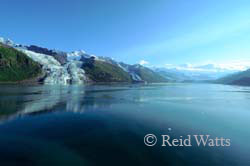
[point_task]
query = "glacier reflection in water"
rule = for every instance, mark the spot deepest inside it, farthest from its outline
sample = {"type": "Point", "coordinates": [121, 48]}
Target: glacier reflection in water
{"type": "Point", "coordinates": [105, 124]}
{"type": "Point", "coordinates": [34, 99]}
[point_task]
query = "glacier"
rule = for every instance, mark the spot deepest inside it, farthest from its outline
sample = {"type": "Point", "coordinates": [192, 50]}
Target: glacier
{"type": "Point", "coordinates": [55, 73]}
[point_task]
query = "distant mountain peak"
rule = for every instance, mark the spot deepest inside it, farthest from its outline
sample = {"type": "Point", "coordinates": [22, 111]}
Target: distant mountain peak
{"type": "Point", "coordinates": [7, 42]}
{"type": "Point", "coordinates": [211, 67]}
{"type": "Point", "coordinates": [209, 71]}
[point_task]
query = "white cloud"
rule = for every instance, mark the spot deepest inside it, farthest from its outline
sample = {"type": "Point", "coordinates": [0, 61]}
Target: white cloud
{"type": "Point", "coordinates": [235, 65]}
{"type": "Point", "coordinates": [143, 62]}
{"type": "Point", "coordinates": [213, 67]}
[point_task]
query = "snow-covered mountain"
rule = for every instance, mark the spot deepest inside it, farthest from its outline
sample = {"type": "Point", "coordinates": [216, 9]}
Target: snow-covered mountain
{"type": "Point", "coordinates": [188, 72]}
{"type": "Point", "coordinates": [8, 42]}
{"type": "Point", "coordinates": [60, 67]}
{"type": "Point", "coordinates": [77, 55]}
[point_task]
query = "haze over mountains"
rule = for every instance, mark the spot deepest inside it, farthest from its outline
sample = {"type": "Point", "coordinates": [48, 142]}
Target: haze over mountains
{"type": "Point", "coordinates": [208, 71]}
{"type": "Point", "coordinates": [78, 67]}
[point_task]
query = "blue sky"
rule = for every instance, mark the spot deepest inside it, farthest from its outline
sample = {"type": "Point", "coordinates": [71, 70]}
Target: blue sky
{"type": "Point", "coordinates": [160, 32]}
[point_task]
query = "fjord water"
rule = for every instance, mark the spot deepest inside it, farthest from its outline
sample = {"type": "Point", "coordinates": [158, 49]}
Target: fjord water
{"type": "Point", "coordinates": [106, 124]}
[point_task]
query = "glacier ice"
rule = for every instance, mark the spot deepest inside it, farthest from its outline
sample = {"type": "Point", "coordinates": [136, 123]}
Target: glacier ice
{"type": "Point", "coordinates": [135, 77]}
{"type": "Point", "coordinates": [55, 73]}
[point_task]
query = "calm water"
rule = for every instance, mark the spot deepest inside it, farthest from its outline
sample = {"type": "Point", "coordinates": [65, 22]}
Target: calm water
{"type": "Point", "coordinates": [106, 125]}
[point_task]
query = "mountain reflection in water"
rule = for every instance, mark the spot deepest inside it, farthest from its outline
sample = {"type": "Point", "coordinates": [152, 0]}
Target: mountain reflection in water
{"type": "Point", "coordinates": [106, 124]}
{"type": "Point", "coordinates": [23, 100]}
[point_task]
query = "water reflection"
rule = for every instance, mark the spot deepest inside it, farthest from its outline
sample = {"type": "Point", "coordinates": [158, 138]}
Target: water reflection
{"type": "Point", "coordinates": [21, 100]}
{"type": "Point", "coordinates": [17, 101]}
{"type": "Point", "coordinates": [106, 124]}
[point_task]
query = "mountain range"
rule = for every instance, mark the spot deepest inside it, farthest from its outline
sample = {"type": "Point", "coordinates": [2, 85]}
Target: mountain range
{"type": "Point", "coordinates": [21, 63]}
{"type": "Point", "coordinates": [240, 78]}
{"type": "Point", "coordinates": [188, 72]}
{"type": "Point", "coordinates": [30, 63]}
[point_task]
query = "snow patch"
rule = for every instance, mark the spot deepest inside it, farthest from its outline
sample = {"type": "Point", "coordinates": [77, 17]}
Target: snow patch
{"type": "Point", "coordinates": [77, 55]}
